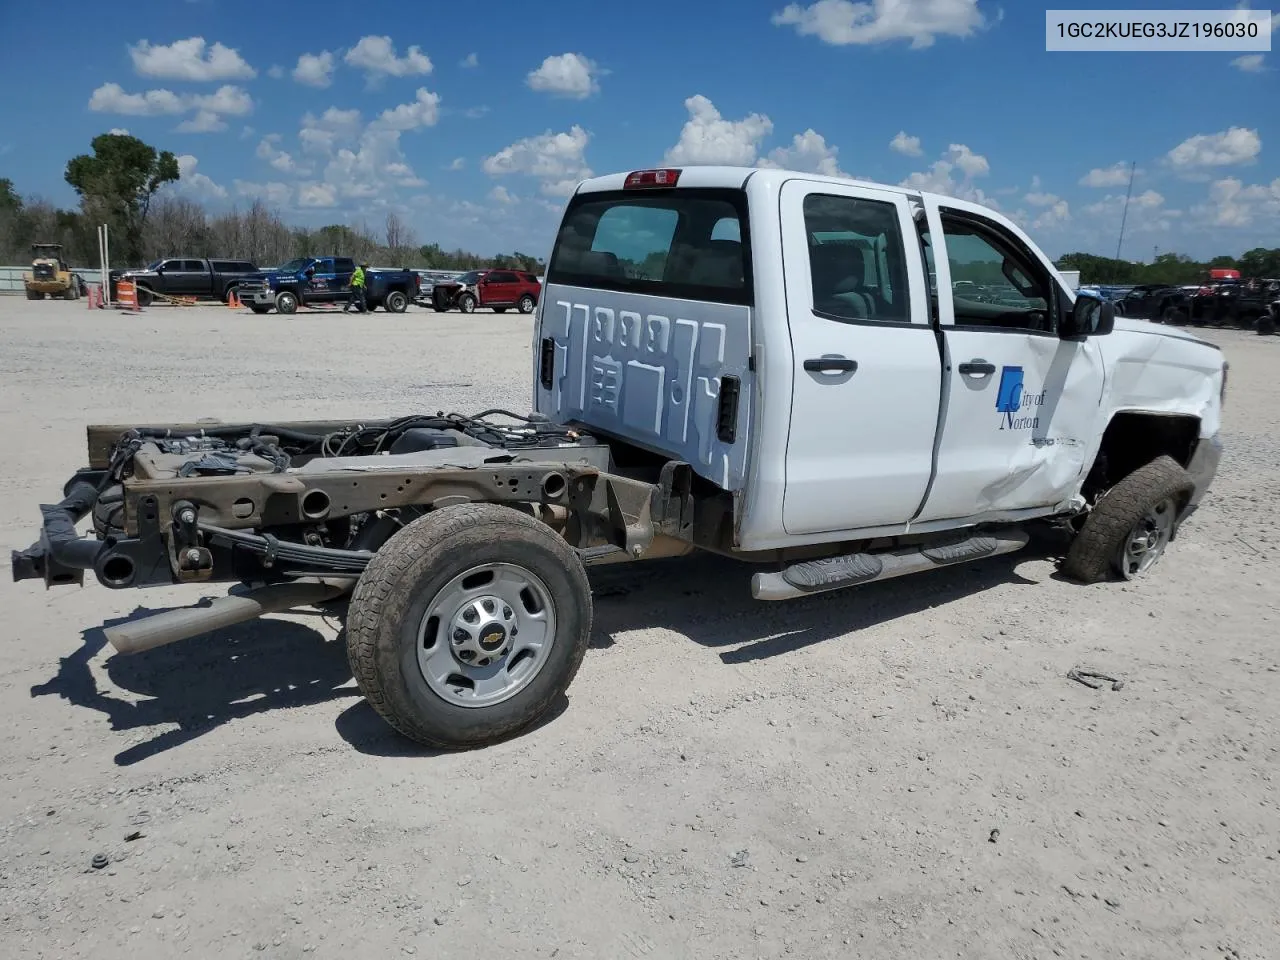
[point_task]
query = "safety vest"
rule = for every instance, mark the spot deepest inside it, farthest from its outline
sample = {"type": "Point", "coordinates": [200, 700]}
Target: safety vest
{"type": "Point", "coordinates": [357, 278]}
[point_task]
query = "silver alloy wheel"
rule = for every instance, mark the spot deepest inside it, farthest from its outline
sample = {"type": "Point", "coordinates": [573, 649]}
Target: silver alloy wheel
{"type": "Point", "coordinates": [1148, 538]}
{"type": "Point", "coordinates": [486, 634]}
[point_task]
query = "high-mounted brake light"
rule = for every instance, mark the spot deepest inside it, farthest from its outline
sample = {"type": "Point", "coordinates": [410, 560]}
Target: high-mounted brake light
{"type": "Point", "coordinates": [651, 178]}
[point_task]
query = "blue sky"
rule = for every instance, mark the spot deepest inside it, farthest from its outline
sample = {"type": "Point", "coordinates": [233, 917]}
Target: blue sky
{"type": "Point", "coordinates": [472, 121]}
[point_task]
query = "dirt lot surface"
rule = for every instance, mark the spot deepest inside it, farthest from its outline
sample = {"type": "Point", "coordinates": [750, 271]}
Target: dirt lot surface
{"type": "Point", "coordinates": [901, 771]}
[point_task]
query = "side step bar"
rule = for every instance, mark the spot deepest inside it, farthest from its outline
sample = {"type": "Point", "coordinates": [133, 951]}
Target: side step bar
{"type": "Point", "coordinates": [851, 570]}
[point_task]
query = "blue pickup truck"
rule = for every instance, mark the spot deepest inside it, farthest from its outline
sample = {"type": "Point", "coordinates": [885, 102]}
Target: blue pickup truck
{"type": "Point", "coordinates": [311, 280]}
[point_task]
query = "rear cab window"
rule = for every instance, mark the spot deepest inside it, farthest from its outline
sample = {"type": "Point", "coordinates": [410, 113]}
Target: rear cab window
{"type": "Point", "coordinates": [685, 243]}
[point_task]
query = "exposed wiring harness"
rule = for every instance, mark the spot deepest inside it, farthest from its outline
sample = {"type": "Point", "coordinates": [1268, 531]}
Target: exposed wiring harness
{"type": "Point", "coordinates": [361, 440]}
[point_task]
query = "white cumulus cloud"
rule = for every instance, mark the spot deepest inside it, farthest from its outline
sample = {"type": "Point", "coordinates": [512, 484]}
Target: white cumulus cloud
{"type": "Point", "coordinates": [317, 195]}
{"type": "Point", "coordinates": [1231, 147]}
{"type": "Point", "coordinates": [1116, 175]}
{"type": "Point", "coordinates": [906, 144]}
{"type": "Point", "coordinates": [1233, 204]}
{"type": "Point", "coordinates": [1249, 63]}
{"type": "Point", "coordinates": [470, 60]}
{"type": "Point", "coordinates": [842, 22]}
{"type": "Point", "coordinates": [188, 60]}
{"type": "Point", "coordinates": [204, 121]}
{"type": "Point", "coordinates": [708, 138]}
{"type": "Point", "coordinates": [941, 176]}
{"type": "Point", "coordinates": [274, 193]}
{"type": "Point", "coordinates": [557, 159]}
{"type": "Point", "coordinates": [809, 152]}
{"type": "Point", "coordinates": [194, 184]}
{"type": "Point", "coordinates": [112, 98]}
{"type": "Point", "coordinates": [424, 111]}
{"type": "Point", "coordinates": [376, 56]}
{"type": "Point", "coordinates": [315, 69]}
{"type": "Point", "coordinates": [567, 75]}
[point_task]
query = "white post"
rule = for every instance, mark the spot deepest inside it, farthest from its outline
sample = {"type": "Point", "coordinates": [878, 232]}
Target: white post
{"type": "Point", "coordinates": [102, 261]}
{"type": "Point", "coordinates": [106, 267]}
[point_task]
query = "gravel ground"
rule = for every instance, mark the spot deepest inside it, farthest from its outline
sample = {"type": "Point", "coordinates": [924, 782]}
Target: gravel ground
{"type": "Point", "coordinates": [901, 771]}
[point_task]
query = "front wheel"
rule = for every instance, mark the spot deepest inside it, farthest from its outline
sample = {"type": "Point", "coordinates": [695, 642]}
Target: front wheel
{"type": "Point", "coordinates": [467, 303]}
{"type": "Point", "coordinates": [34, 295]}
{"type": "Point", "coordinates": [286, 302]}
{"type": "Point", "coordinates": [526, 304]}
{"type": "Point", "coordinates": [259, 308]}
{"type": "Point", "coordinates": [396, 302]}
{"type": "Point", "coordinates": [468, 624]}
{"type": "Point", "coordinates": [144, 297]}
{"type": "Point", "coordinates": [1130, 527]}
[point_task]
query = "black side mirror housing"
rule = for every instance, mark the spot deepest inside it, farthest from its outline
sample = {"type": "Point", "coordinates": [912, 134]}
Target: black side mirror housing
{"type": "Point", "coordinates": [1090, 317]}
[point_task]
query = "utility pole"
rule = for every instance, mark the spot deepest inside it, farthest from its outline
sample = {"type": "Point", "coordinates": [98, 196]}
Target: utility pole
{"type": "Point", "coordinates": [1132, 169]}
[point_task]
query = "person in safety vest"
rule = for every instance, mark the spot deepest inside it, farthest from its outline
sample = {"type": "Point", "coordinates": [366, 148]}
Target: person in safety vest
{"type": "Point", "coordinates": [357, 298]}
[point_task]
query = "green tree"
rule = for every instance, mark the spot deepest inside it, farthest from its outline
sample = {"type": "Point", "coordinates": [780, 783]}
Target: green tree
{"type": "Point", "coordinates": [1261, 262]}
{"type": "Point", "coordinates": [117, 183]}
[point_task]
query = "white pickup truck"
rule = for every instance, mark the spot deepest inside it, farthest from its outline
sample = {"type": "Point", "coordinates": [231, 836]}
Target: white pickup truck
{"type": "Point", "coordinates": [838, 382]}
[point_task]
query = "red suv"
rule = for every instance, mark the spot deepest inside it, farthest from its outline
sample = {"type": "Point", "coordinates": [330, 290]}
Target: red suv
{"type": "Point", "coordinates": [498, 289]}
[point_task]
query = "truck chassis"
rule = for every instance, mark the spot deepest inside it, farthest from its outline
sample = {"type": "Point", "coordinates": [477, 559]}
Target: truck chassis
{"type": "Point", "coordinates": [457, 544]}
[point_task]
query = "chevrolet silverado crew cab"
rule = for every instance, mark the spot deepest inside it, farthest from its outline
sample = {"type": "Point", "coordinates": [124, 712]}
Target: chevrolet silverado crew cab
{"type": "Point", "coordinates": [769, 365]}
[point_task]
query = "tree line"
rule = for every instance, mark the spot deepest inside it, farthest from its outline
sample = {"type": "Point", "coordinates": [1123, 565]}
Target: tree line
{"type": "Point", "coordinates": [120, 183]}
{"type": "Point", "coordinates": [1171, 268]}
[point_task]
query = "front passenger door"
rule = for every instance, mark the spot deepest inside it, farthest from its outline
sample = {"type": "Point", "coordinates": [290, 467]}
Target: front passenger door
{"type": "Point", "coordinates": [1022, 404]}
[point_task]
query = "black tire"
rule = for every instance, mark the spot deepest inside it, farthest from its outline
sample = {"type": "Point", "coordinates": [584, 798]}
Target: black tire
{"type": "Point", "coordinates": [439, 309]}
{"type": "Point", "coordinates": [259, 308]}
{"type": "Point", "coordinates": [394, 595]}
{"type": "Point", "coordinates": [286, 302]}
{"type": "Point", "coordinates": [1174, 317]}
{"type": "Point", "coordinates": [1266, 325]}
{"type": "Point", "coordinates": [396, 302]}
{"type": "Point", "coordinates": [1097, 549]}
{"type": "Point", "coordinates": [34, 295]}
{"type": "Point", "coordinates": [144, 297]}
{"type": "Point", "coordinates": [467, 303]}
{"type": "Point", "coordinates": [526, 304]}
{"type": "Point", "coordinates": [226, 294]}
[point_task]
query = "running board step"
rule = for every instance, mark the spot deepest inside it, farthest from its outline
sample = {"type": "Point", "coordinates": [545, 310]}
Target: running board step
{"type": "Point", "coordinates": [851, 570]}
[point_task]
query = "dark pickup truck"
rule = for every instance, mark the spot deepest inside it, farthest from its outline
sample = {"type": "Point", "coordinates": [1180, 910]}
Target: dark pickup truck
{"type": "Point", "coordinates": [312, 280]}
{"type": "Point", "coordinates": [187, 277]}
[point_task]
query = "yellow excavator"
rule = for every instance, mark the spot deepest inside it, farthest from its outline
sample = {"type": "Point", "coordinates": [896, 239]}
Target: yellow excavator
{"type": "Point", "coordinates": [50, 274]}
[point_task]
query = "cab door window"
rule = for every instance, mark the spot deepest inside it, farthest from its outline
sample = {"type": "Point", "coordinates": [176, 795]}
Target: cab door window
{"type": "Point", "coordinates": [994, 284]}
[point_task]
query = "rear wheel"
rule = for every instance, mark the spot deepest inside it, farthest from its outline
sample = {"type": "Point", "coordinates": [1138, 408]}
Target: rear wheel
{"type": "Point", "coordinates": [468, 624]}
{"type": "Point", "coordinates": [34, 295]}
{"type": "Point", "coordinates": [286, 302]}
{"type": "Point", "coordinates": [526, 304]}
{"type": "Point", "coordinates": [259, 308]}
{"type": "Point", "coordinates": [467, 303]}
{"type": "Point", "coordinates": [396, 302]}
{"type": "Point", "coordinates": [1130, 527]}
{"type": "Point", "coordinates": [144, 297]}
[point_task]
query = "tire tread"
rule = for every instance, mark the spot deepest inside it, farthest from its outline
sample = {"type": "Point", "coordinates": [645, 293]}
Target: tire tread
{"type": "Point", "coordinates": [1090, 556]}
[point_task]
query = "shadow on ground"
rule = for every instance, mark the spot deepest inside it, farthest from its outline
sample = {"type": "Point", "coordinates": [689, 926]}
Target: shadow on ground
{"type": "Point", "coordinates": [201, 683]}
{"type": "Point", "coordinates": [708, 599]}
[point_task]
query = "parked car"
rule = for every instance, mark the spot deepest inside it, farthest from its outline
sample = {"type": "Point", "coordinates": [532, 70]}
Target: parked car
{"type": "Point", "coordinates": [783, 399]}
{"type": "Point", "coordinates": [187, 277]}
{"type": "Point", "coordinates": [314, 280]}
{"type": "Point", "coordinates": [1159, 302]}
{"type": "Point", "coordinates": [499, 289]}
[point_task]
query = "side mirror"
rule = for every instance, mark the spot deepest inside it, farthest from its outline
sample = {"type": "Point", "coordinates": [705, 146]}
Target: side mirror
{"type": "Point", "coordinates": [1090, 317]}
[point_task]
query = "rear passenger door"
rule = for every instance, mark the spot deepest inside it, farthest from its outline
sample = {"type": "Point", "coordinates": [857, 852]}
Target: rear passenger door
{"type": "Point", "coordinates": [866, 366]}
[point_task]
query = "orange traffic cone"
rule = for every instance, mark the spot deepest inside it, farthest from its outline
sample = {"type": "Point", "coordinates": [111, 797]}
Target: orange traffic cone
{"type": "Point", "coordinates": [233, 301]}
